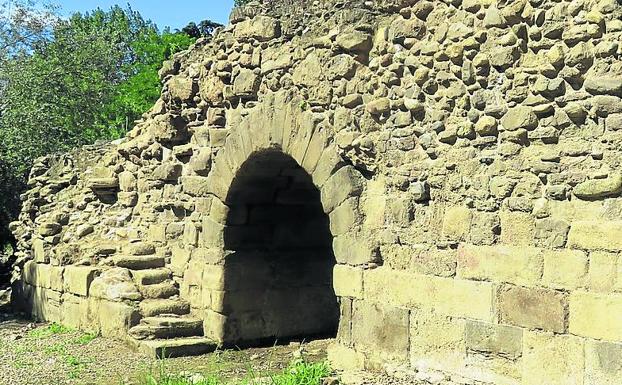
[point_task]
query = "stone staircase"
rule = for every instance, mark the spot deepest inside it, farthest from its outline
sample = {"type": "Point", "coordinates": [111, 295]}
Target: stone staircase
{"type": "Point", "coordinates": [167, 328]}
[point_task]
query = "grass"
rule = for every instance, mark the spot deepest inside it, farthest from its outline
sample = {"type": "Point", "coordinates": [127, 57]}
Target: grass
{"type": "Point", "coordinates": [52, 329]}
{"type": "Point", "coordinates": [298, 373]}
{"type": "Point", "coordinates": [84, 339]}
{"type": "Point", "coordinates": [62, 350]}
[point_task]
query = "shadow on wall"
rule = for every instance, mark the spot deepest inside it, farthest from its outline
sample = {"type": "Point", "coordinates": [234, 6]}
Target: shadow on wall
{"type": "Point", "coordinates": [278, 275]}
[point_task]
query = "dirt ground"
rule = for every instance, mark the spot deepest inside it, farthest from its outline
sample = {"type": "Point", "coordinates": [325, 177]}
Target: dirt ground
{"type": "Point", "coordinates": [37, 354]}
{"type": "Point", "coordinates": [44, 354]}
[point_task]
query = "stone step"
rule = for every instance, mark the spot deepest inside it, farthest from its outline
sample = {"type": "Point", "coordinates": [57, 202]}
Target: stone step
{"type": "Point", "coordinates": [139, 262]}
{"type": "Point", "coordinates": [166, 327]}
{"type": "Point", "coordinates": [163, 290]}
{"type": "Point", "coordinates": [151, 276]}
{"type": "Point", "coordinates": [177, 347]}
{"type": "Point", "coordinates": [153, 307]}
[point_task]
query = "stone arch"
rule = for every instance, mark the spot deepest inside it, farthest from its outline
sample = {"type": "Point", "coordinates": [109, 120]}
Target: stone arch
{"type": "Point", "coordinates": [279, 263]}
{"type": "Point", "coordinates": [278, 157]}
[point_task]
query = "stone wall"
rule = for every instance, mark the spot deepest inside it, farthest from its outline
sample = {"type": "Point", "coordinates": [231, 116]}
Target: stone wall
{"type": "Point", "coordinates": [466, 154]}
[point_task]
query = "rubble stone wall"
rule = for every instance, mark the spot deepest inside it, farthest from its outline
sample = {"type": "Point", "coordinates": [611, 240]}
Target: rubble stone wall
{"type": "Point", "coordinates": [467, 155]}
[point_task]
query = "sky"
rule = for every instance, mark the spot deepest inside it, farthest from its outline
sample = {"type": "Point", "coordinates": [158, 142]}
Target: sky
{"type": "Point", "coordinates": [173, 13]}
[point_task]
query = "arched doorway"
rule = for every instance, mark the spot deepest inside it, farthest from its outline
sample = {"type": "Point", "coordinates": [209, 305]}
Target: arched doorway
{"type": "Point", "coordinates": [278, 271]}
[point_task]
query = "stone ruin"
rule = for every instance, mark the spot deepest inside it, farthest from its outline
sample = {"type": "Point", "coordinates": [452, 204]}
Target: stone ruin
{"type": "Point", "coordinates": [436, 184]}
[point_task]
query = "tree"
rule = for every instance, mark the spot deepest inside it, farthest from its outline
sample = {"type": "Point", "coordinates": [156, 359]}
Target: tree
{"type": "Point", "coordinates": [240, 3]}
{"type": "Point", "coordinates": [23, 23]}
{"type": "Point", "coordinates": [70, 82]}
{"type": "Point", "coordinates": [205, 28]}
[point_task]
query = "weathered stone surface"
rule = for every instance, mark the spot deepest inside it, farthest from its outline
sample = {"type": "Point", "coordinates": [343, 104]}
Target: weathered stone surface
{"type": "Point", "coordinates": [460, 157]}
{"type": "Point", "coordinates": [595, 315]}
{"type": "Point", "coordinates": [380, 329]}
{"type": "Point", "coordinates": [565, 269]}
{"type": "Point", "coordinates": [78, 279]}
{"type": "Point", "coordinates": [453, 297]}
{"type": "Point", "coordinates": [378, 106]}
{"type": "Point", "coordinates": [182, 88]}
{"type": "Point", "coordinates": [604, 85]}
{"type": "Point", "coordinates": [457, 223]}
{"type": "Point", "coordinates": [518, 265]}
{"type": "Point", "coordinates": [596, 235]}
{"type": "Point", "coordinates": [603, 271]}
{"type": "Point", "coordinates": [599, 188]}
{"type": "Point", "coordinates": [356, 41]}
{"type": "Point", "coordinates": [603, 362]}
{"type": "Point", "coordinates": [348, 281]}
{"type": "Point", "coordinates": [533, 308]}
{"type": "Point", "coordinates": [352, 249]}
{"type": "Point", "coordinates": [520, 118]}
{"type": "Point", "coordinates": [115, 285]}
{"type": "Point", "coordinates": [344, 183]}
{"type": "Point", "coordinates": [495, 339]}
{"type": "Point", "coordinates": [261, 28]}
{"type": "Point", "coordinates": [543, 349]}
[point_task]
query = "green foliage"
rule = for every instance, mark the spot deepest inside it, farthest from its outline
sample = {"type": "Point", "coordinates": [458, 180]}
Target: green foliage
{"type": "Point", "coordinates": [240, 3]}
{"type": "Point", "coordinates": [93, 79]}
{"type": "Point", "coordinates": [203, 29]}
{"type": "Point", "coordinates": [84, 339]}
{"type": "Point", "coordinates": [48, 331]}
{"type": "Point", "coordinates": [69, 82]}
{"type": "Point", "coordinates": [298, 373]}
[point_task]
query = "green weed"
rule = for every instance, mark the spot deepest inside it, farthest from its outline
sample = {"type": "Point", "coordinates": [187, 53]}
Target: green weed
{"type": "Point", "coordinates": [48, 331]}
{"type": "Point", "coordinates": [84, 339]}
{"type": "Point", "coordinates": [298, 373]}
{"type": "Point", "coordinates": [56, 349]}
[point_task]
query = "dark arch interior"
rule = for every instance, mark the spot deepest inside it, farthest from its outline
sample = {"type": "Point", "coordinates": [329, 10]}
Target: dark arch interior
{"type": "Point", "coordinates": [278, 271]}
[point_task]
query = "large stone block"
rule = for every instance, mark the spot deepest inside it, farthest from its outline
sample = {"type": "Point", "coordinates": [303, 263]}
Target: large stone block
{"type": "Point", "coordinates": [457, 223]}
{"type": "Point", "coordinates": [596, 315]}
{"type": "Point", "coordinates": [196, 186]}
{"type": "Point", "coordinates": [533, 308]}
{"type": "Point", "coordinates": [344, 330]}
{"type": "Point", "coordinates": [565, 269]}
{"type": "Point", "coordinates": [75, 311]}
{"type": "Point", "coordinates": [213, 234]}
{"type": "Point", "coordinates": [116, 318]}
{"type": "Point", "coordinates": [489, 338]}
{"type": "Point", "coordinates": [550, 359]}
{"type": "Point", "coordinates": [38, 250]}
{"type": "Point", "coordinates": [381, 330]}
{"type": "Point", "coordinates": [354, 249]}
{"type": "Point", "coordinates": [348, 281]}
{"type": "Point", "coordinates": [214, 277]}
{"type": "Point", "coordinates": [448, 296]}
{"type": "Point", "coordinates": [345, 217]}
{"type": "Point", "coordinates": [344, 183]}
{"type": "Point", "coordinates": [179, 260]}
{"type": "Point", "coordinates": [603, 363]}
{"type": "Point", "coordinates": [603, 271]}
{"type": "Point", "coordinates": [78, 279]}
{"type": "Point", "coordinates": [436, 342]}
{"type": "Point", "coordinates": [518, 265]}
{"type": "Point", "coordinates": [517, 228]}
{"type": "Point", "coordinates": [262, 28]}
{"type": "Point", "coordinates": [344, 358]}
{"type": "Point", "coordinates": [327, 165]}
{"type": "Point", "coordinates": [590, 235]}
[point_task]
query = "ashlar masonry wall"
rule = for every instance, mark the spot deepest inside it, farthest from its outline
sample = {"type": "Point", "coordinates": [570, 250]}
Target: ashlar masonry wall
{"type": "Point", "coordinates": [438, 182]}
